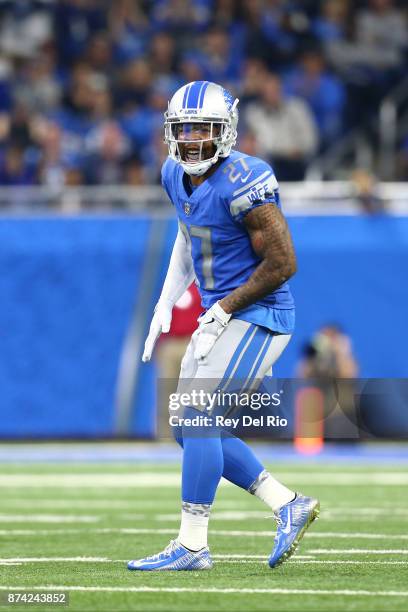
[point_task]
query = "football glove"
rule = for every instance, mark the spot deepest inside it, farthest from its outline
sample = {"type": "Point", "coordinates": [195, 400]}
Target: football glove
{"type": "Point", "coordinates": [160, 325]}
{"type": "Point", "coordinates": [211, 325]}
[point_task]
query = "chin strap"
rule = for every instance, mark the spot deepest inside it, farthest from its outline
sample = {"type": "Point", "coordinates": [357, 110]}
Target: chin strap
{"type": "Point", "coordinates": [197, 171]}
{"type": "Point", "coordinates": [200, 168]}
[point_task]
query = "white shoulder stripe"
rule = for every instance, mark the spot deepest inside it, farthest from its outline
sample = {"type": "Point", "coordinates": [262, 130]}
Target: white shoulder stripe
{"type": "Point", "coordinates": [256, 191]}
{"type": "Point", "coordinates": [257, 180]}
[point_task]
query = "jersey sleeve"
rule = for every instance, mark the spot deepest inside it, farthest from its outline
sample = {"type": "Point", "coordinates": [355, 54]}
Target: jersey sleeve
{"type": "Point", "coordinates": [166, 177]}
{"type": "Point", "coordinates": [261, 187]}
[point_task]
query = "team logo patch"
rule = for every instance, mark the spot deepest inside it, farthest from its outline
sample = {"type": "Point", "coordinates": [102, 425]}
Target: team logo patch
{"type": "Point", "coordinates": [187, 208]}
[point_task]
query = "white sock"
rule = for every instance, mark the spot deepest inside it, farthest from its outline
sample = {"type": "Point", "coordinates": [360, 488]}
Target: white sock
{"type": "Point", "coordinates": [194, 525]}
{"type": "Point", "coordinates": [271, 491]}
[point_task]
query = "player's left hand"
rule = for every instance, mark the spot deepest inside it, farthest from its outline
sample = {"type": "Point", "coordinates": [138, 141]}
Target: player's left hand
{"type": "Point", "coordinates": [211, 324]}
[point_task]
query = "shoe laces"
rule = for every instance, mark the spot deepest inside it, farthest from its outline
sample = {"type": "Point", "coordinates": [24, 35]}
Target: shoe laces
{"type": "Point", "coordinates": [167, 551]}
{"type": "Point", "coordinates": [170, 547]}
{"type": "Point", "coordinates": [277, 518]}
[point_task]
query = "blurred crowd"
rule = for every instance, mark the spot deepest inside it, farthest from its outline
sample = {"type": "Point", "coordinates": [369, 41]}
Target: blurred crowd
{"type": "Point", "coordinates": [84, 83]}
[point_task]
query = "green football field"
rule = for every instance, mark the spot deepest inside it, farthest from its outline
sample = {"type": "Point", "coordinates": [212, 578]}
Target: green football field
{"type": "Point", "coordinates": [73, 527]}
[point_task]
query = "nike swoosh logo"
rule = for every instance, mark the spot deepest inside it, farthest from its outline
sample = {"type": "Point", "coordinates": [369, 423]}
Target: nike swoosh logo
{"type": "Point", "coordinates": [210, 321]}
{"type": "Point", "coordinates": [288, 526]}
{"type": "Point", "coordinates": [245, 178]}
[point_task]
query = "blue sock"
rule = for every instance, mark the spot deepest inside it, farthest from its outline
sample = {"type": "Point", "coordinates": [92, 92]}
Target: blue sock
{"type": "Point", "coordinates": [240, 464]}
{"type": "Point", "coordinates": [203, 463]}
{"type": "Point", "coordinates": [241, 467]}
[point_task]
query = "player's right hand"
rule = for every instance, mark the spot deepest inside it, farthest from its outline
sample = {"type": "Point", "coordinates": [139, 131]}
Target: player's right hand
{"type": "Point", "coordinates": [160, 325]}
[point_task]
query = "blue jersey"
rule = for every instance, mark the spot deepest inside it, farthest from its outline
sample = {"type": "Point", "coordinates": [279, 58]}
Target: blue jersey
{"type": "Point", "coordinates": [211, 217]}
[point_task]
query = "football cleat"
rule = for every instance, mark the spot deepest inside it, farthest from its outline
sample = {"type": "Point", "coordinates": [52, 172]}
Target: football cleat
{"type": "Point", "coordinates": [292, 521]}
{"type": "Point", "coordinates": [174, 557]}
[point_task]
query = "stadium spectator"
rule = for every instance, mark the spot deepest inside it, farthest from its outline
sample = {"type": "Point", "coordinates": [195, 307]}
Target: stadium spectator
{"type": "Point", "coordinates": [75, 22]}
{"type": "Point", "coordinates": [129, 28]}
{"type": "Point", "coordinates": [276, 30]}
{"type": "Point", "coordinates": [18, 128]}
{"type": "Point", "coordinates": [227, 16]}
{"type": "Point", "coordinates": [332, 23]}
{"type": "Point", "coordinates": [5, 85]}
{"type": "Point", "coordinates": [247, 143]}
{"type": "Point", "coordinates": [190, 68]}
{"type": "Point", "coordinates": [325, 94]}
{"type": "Point", "coordinates": [329, 355]}
{"type": "Point", "coordinates": [133, 85]}
{"type": "Point", "coordinates": [366, 193]}
{"type": "Point", "coordinates": [98, 54]}
{"type": "Point", "coordinates": [220, 60]}
{"type": "Point", "coordinates": [25, 27]}
{"type": "Point", "coordinates": [134, 173]}
{"type": "Point", "coordinates": [284, 129]}
{"type": "Point", "coordinates": [52, 170]}
{"type": "Point", "coordinates": [162, 51]}
{"type": "Point", "coordinates": [74, 62]}
{"type": "Point", "coordinates": [181, 17]}
{"type": "Point", "coordinates": [371, 60]}
{"type": "Point", "coordinates": [402, 161]}
{"type": "Point", "coordinates": [328, 361]}
{"type": "Point", "coordinates": [77, 98]}
{"type": "Point", "coordinates": [378, 42]}
{"type": "Point", "coordinates": [16, 168]}
{"type": "Point", "coordinates": [38, 86]}
{"type": "Point", "coordinates": [154, 151]}
{"type": "Point", "coordinates": [254, 74]}
{"type": "Point", "coordinates": [106, 149]}
{"type": "Point", "coordinates": [382, 31]}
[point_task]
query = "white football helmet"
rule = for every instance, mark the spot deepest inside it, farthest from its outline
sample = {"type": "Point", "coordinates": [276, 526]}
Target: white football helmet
{"type": "Point", "coordinates": [193, 105]}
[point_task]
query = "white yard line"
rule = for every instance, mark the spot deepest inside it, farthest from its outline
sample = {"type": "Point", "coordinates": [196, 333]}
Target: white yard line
{"type": "Point", "coordinates": [238, 556]}
{"type": "Point", "coordinates": [56, 559]}
{"type": "Point", "coordinates": [226, 516]}
{"type": "Point", "coordinates": [348, 562]}
{"type": "Point", "coordinates": [240, 515]}
{"type": "Point", "coordinates": [350, 512]}
{"type": "Point", "coordinates": [262, 561]}
{"type": "Point", "coordinates": [226, 591]}
{"type": "Point", "coordinates": [317, 562]}
{"type": "Point", "coordinates": [159, 480]}
{"type": "Point", "coordinates": [359, 551]}
{"type": "Point", "coordinates": [224, 510]}
{"type": "Point", "coordinates": [214, 532]}
{"type": "Point", "coordinates": [48, 518]}
{"type": "Point", "coordinates": [138, 504]}
{"type": "Point", "coordinates": [222, 559]}
{"type": "Point", "coordinates": [103, 504]}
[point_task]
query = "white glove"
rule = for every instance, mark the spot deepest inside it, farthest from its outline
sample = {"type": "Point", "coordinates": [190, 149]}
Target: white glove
{"type": "Point", "coordinates": [212, 324]}
{"type": "Point", "coordinates": [179, 277]}
{"type": "Point", "coordinates": [160, 325]}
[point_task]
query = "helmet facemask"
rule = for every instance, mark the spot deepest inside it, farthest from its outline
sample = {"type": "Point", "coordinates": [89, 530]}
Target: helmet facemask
{"type": "Point", "coordinates": [200, 125]}
{"type": "Point", "coordinates": [188, 142]}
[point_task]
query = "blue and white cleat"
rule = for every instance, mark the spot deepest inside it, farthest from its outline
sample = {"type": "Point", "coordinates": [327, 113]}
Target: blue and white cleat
{"type": "Point", "coordinates": [292, 520]}
{"type": "Point", "coordinates": [174, 557]}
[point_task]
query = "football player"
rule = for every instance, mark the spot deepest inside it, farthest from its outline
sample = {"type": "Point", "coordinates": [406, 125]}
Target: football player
{"type": "Point", "coordinates": [234, 240]}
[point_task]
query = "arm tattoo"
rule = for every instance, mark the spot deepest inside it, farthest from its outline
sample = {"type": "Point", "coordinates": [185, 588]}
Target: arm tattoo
{"type": "Point", "coordinates": [272, 243]}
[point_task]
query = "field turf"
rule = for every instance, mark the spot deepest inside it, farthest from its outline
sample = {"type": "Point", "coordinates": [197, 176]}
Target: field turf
{"type": "Point", "coordinates": [74, 526]}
